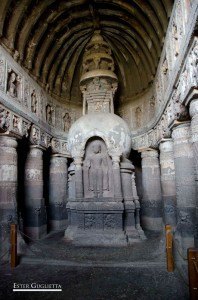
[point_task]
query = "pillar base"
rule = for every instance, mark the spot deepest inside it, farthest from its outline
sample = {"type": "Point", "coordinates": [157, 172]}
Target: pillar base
{"type": "Point", "coordinates": [132, 235]}
{"type": "Point", "coordinates": [57, 224]}
{"type": "Point", "coordinates": [36, 232]}
{"type": "Point", "coordinates": [152, 224]}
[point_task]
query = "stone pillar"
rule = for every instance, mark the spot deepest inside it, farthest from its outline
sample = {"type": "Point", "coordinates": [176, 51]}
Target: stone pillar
{"type": "Point", "coordinates": [194, 139]}
{"type": "Point", "coordinates": [117, 178]}
{"type": "Point", "coordinates": [168, 181]}
{"type": "Point", "coordinates": [137, 207]}
{"type": "Point", "coordinates": [8, 191]}
{"type": "Point", "coordinates": [78, 177]}
{"type": "Point", "coordinates": [58, 192]}
{"type": "Point", "coordinates": [35, 210]}
{"type": "Point", "coordinates": [126, 169]}
{"type": "Point", "coordinates": [151, 206]}
{"type": "Point", "coordinates": [185, 185]}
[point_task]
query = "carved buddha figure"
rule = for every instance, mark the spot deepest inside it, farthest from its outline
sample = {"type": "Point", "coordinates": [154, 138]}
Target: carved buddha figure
{"type": "Point", "coordinates": [96, 165]}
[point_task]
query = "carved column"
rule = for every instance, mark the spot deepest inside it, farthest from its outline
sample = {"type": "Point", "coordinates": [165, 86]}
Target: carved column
{"type": "Point", "coordinates": [152, 199]}
{"type": "Point", "coordinates": [194, 133]}
{"type": "Point", "coordinates": [58, 192]}
{"type": "Point", "coordinates": [78, 177]}
{"type": "Point", "coordinates": [137, 207]}
{"type": "Point", "coordinates": [8, 179]}
{"type": "Point", "coordinates": [185, 185]}
{"type": "Point", "coordinates": [168, 181]}
{"type": "Point", "coordinates": [8, 191]}
{"type": "Point", "coordinates": [35, 211]}
{"type": "Point", "coordinates": [126, 169]}
{"type": "Point", "coordinates": [117, 178]}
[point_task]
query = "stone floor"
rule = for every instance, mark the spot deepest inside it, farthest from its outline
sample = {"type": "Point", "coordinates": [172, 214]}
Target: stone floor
{"type": "Point", "coordinates": [136, 272]}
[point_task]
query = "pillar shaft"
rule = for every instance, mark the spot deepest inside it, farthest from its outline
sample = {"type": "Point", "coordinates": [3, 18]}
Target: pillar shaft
{"type": "Point", "coordinates": [126, 171]}
{"type": "Point", "coordinates": [117, 178]}
{"type": "Point", "coordinates": [35, 210]}
{"type": "Point", "coordinates": [8, 191]}
{"type": "Point", "coordinates": [194, 139]}
{"type": "Point", "coordinates": [185, 184]}
{"type": "Point", "coordinates": [58, 192]}
{"type": "Point", "coordinates": [8, 179]}
{"type": "Point", "coordinates": [152, 199]}
{"type": "Point", "coordinates": [168, 181]}
{"type": "Point", "coordinates": [78, 177]}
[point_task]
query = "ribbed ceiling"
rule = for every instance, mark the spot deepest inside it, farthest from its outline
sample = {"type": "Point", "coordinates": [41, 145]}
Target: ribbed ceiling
{"type": "Point", "coordinates": [50, 36]}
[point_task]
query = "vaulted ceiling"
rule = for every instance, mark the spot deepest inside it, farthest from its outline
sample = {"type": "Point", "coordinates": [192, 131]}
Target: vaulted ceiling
{"type": "Point", "coordinates": [49, 36]}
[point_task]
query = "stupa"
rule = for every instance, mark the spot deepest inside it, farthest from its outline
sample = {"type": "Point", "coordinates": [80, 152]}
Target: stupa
{"type": "Point", "coordinates": [103, 205]}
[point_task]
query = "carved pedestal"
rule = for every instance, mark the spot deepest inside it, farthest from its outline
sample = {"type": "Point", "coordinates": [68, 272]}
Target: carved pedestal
{"type": "Point", "coordinates": [35, 217]}
{"type": "Point", "coordinates": [97, 217]}
{"type": "Point", "coordinates": [57, 192]}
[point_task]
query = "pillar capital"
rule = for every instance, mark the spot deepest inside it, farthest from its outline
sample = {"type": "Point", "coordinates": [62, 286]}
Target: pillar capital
{"type": "Point", "coordinates": [8, 141]}
{"type": "Point", "coordinates": [166, 145]}
{"type": "Point", "coordinates": [181, 131]}
{"type": "Point", "coordinates": [194, 108]}
{"type": "Point", "coordinates": [116, 161]}
{"type": "Point", "coordinates": [149, 152]}
{"type": "Point", "coordinates": [59, 155]}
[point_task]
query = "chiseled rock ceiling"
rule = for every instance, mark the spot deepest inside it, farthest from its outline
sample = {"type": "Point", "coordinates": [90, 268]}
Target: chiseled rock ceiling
{"type": "Point", "coordinates": [48, 37]}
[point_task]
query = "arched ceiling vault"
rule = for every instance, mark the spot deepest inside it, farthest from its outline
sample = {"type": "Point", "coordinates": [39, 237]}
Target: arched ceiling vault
{"type": "Point", "coordinates": [50, 36]}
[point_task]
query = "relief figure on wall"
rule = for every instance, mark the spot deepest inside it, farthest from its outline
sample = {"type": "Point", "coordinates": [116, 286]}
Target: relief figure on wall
{"type": "Point", "coordinates": [138, 114]}
{"type": "Point", "coordinates": [66, 122]}
{"type": "Point", "coordinates": [49, 112]}
{"type": "Point", "coordinates": [12, 84]}
{"type": "Point", "coordinates": [96, 165]}
{"type": "Point", "coordinates": [33, 102]}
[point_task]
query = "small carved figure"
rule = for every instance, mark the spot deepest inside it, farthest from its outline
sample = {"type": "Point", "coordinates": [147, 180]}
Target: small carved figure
{"type": "Point", "coordinates": [66, 122]}
{"type": "Point", "coordinates": [33, 102]}
{"type": "Point", "coordinates": [96, 83]}
{"type": "Point", "coordinates": [97, 63]}
{"type": "Point", "coordinates": [12, 85]}
{"type": "Point", "coordinates": [138, 114]}
{"type": "Point", "coordinates": [49, 111]}
{"type": "Point", "coordinates": [7, 121]}
{"type": "Point", "coordinates": [152, 106]}
{"type": "Point", "coordinates": [16, 123]}
{"type": "Point", "coordinates": [35, 135]}
{"type": "Point", "coordinates": [16, 55]}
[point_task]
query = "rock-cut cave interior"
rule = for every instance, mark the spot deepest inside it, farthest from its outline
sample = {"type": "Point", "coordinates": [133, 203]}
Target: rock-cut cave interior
{"type": "Point", "coordinates": [99, 131]}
